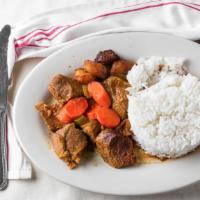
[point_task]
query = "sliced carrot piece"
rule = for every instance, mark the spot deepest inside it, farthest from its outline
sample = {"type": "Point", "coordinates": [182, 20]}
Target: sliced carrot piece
{"type": "Point", "coordinates": [63, 117]}
{"type": "Point", "coordinates": [107, 117]}
{"type": "Point", "coordinates": [99, 94]}
{"type": "Point", "coordinates": [76, 107]}
{"type": "Point", "coordinates": [91, 114]}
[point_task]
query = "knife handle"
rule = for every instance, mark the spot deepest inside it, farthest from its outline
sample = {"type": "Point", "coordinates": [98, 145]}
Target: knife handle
{"type": "Point", "coordinates": [3, 152]}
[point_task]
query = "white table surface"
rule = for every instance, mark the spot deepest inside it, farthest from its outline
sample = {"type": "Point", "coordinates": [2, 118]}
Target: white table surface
{"type": "Point", "coordinates": [43, 187]}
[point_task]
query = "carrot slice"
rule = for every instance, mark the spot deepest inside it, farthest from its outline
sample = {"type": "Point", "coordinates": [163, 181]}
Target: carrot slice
{"type": "Point", "coordinates": [91, 114]}
{"type": "Point", "coordinates": [76, 107]}
{"type": "Point", "coordinates": [99, 94]}
{"type": "Point", "coordinates": [63, 117]}
{"type": "Point", "coordinates": [107, 117]}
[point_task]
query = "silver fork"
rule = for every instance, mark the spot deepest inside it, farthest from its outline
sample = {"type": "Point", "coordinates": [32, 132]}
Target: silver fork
{"type": "Point", "coordinates": [4, 35]}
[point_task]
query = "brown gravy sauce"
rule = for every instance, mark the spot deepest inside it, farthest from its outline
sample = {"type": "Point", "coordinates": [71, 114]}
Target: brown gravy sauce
{"type": "Point", "coordinates": [142, 157]}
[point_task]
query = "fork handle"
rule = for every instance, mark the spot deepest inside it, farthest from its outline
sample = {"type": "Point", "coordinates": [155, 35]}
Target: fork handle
{"type": "Point", "coordinates": [3, 152]}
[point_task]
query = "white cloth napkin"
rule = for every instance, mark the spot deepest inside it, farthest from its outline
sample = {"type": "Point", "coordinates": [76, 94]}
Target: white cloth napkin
{"type": "Point", "coordinates": [44, 34]}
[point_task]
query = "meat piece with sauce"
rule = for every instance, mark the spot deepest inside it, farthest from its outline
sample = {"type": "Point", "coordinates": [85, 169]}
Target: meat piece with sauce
{"type": "Point", "coordinates": [58, 144]}
{"type": "Point", "coordinates": [115, 149]}
{"type": "Point", "coordinates": [64, 88]}
{"type": "Point", "coordinates": [48, 113]}
{"type": "Point", "coordinates": [75, 142]}
{"type": "Point", "coordinates": [117, 90]}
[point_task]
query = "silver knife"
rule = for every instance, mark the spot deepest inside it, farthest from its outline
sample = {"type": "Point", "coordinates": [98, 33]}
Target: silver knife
{"type": "Point", "coordinates": [4, 35]}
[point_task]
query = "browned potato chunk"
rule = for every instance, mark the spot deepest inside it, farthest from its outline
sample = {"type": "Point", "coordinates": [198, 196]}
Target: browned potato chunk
{"type": "Point", "coordinates": [83, 76]}
{"type": "Point", "coordinates": [96, 69]}
{"type": "Point", "coordinates": [106, 57]}
{"type": "Point", "coordinates": [121, 67]}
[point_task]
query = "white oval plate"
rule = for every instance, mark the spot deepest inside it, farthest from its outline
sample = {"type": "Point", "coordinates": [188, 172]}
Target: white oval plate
{"type": "Point", "coordinates": [95, 175]}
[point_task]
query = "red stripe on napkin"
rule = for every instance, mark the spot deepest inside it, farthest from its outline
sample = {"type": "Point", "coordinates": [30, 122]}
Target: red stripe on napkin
{"type": "Point", "coordinates": [35, 30]}
{"type": "Point", "coordinates": [65, 27]}
{"type": "Point", "coordinates": [26, 43]}
{"type": "Point", "coordinates": [35, 35]}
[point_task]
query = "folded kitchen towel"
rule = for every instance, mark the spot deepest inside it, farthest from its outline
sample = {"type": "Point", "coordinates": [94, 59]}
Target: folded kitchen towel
{"type": "Point", "coordinates": [44, 34]}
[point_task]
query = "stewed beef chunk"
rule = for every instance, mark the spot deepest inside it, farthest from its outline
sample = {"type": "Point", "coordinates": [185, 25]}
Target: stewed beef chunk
{"type": "Point", "coordinates": [75, 143]}
{"type": "Point", "coordinates": [64, 88]}
{"type": "Point", "coordinates": [48, 113]}
{"type": "Point", "coordinates": [117, 90]}
{"type": "Point", "coordinates": [115, 149]}
{"type": "Point", "coordinates": [58, 144]}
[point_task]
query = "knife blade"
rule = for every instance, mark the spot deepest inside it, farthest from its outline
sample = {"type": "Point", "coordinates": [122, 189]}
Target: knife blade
{"type": "Point", "coordinates": [4, 35]}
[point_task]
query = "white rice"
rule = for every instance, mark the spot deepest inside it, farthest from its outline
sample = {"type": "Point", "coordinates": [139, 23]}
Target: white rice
{"type": "Point", "coordinates": [164, 107]}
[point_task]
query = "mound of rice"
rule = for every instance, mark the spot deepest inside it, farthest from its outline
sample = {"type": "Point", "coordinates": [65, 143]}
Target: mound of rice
{"type": "Point", "coordinates": [164, 106]}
